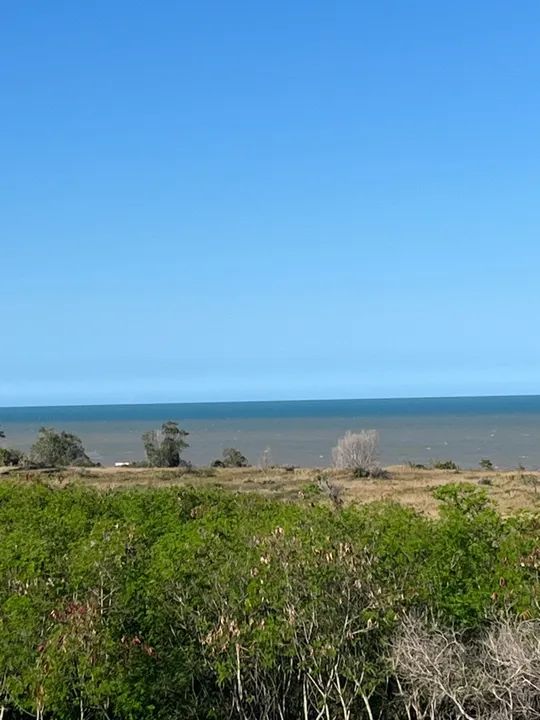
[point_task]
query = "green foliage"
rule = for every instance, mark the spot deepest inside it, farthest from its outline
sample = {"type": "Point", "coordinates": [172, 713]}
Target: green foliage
{"type": "Point", "coordinates": [183, 603]}
{"type": "Point", "coordinates": [463, 498]}
{"type": "Point", "coordinates": [58, 449]}
{"type": "Point", "coordinates": [164, 447]}
{"type": "Point", "coordinates": [311, 490]}
{"type": "Point", "coordinates": [231, 458]}
{"type": "Point", "coordinates": [445, 465]}
{"type": "Point", "coordinates": [465, 547]}
{"type": "Point", "coordinates": [11, 456]}
{"type": "Point", "coordinates": [234, 458]}
{"type": "Point", "coordinates": [486, 464]}
{"type": "Point", "coordinates": [360, 473]}
{"type": "Point", "coordinates": [375, 472]}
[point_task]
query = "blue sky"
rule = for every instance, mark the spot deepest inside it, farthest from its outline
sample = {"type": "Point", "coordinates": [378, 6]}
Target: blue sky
{"type": "Point", "coordinates": [275, 200]}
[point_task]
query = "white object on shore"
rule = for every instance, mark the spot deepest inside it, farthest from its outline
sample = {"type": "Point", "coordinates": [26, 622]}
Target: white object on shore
{"type": "Point", "coordinates": [122, 464]}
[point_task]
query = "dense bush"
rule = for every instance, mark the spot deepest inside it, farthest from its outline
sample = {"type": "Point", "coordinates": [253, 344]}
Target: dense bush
{"type": "Point", "coordinates": [445, 465]}
{"type": "Point", "coordinates": [180, 603]}
{"type": "Point", "coordinates": [58, 449]}
{"type": "Point", "coordinates": [231, 458]}
{"type": "Point", "coordinates": [11, 456]}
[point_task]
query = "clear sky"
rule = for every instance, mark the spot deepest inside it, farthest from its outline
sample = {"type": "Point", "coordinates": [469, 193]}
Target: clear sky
{"type": "Point", "coordinates": [268, 200]}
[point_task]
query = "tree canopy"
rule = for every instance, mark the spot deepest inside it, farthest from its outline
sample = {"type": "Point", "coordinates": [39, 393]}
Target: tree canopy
{"type": "Point", "coordinates": [58, 449]}
{"type": "Point", "coordinates": [231, 457]}
{"type": "Point", "coordinates": [164, 447]}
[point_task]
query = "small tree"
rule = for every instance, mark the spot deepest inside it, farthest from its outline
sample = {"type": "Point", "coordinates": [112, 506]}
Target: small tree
{"type": "Point", "coordinates": [58, 449]}
{"type": "Point", "coordinates": [2, 434]}
{"type": "Point", "coordinates": [164, 447]}
{"type": "Point", "coordinates": [11, 457]}
{"type": "Point", "coordinates": [486, 464]}
{"type": "Point", "coordinates": [234, 458]}
{"type": "Point", "coordinates": [357, 451]}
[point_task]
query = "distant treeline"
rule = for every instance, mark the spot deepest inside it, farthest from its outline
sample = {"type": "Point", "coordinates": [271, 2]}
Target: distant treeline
{"type": "Point", "coordinates": [164, 447]}
{"type": "Point", "coordinates": [188, 604]}
{"type": "Point", "coordinates": [58, 448]}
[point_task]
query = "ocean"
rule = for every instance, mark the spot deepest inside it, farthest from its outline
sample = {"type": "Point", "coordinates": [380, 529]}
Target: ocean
{"type": "Point", "coordinates": [464, 429]}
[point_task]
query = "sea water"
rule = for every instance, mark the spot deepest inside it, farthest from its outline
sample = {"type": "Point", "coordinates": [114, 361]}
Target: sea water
{"type": "Point", "coordinates": [465, 429]}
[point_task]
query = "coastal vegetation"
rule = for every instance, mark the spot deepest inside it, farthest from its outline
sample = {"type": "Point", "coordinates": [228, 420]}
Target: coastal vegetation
{"type": "Point", "coordinates": [357, 475]}
{"type": "Point", "coordinates": [164, 447]}
{"type": "Point", "coordinates": [239, 592]}
{"type": "Point", "coordinates": [231, 458]}
{"type": "Point", "coordinates": [486, 464]}
{"type": "Point", "coordinates": [358, 451]}
{"type": "Point", "coordinates": [445, 465]}
{"type": "Point", "coordinates": [195, 602]}
{"type": "Point", "coordinates": [11, 457]}
{"type": "Point", "coordinates": [58, 449]}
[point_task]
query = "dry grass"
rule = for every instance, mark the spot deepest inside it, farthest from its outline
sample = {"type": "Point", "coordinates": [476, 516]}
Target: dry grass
{"type": "Point", "coordinates": [511, 491]}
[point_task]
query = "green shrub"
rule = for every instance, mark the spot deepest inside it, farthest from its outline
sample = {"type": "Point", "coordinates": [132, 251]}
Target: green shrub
{"type": "Point", "coordinates": [58, 449]}
{"type": "Point", "coordinates": [11, 457]}
{"type": "Point", "coordinates": [184, 603]}
{"type": "Point", "coordinates": [359, 473]}
{"type": "Point", "coordinates": [376, 472]}
{"type": "Point", "coordinates": [311, 490]}
{"type": "Point", "coordinates": [231, 458]}
{"type": "Point", "coordinates": [445, 465]}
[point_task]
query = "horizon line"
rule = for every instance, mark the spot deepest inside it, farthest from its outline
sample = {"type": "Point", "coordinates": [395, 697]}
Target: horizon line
{"type": "Point", "coordinates": [296, 400]}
